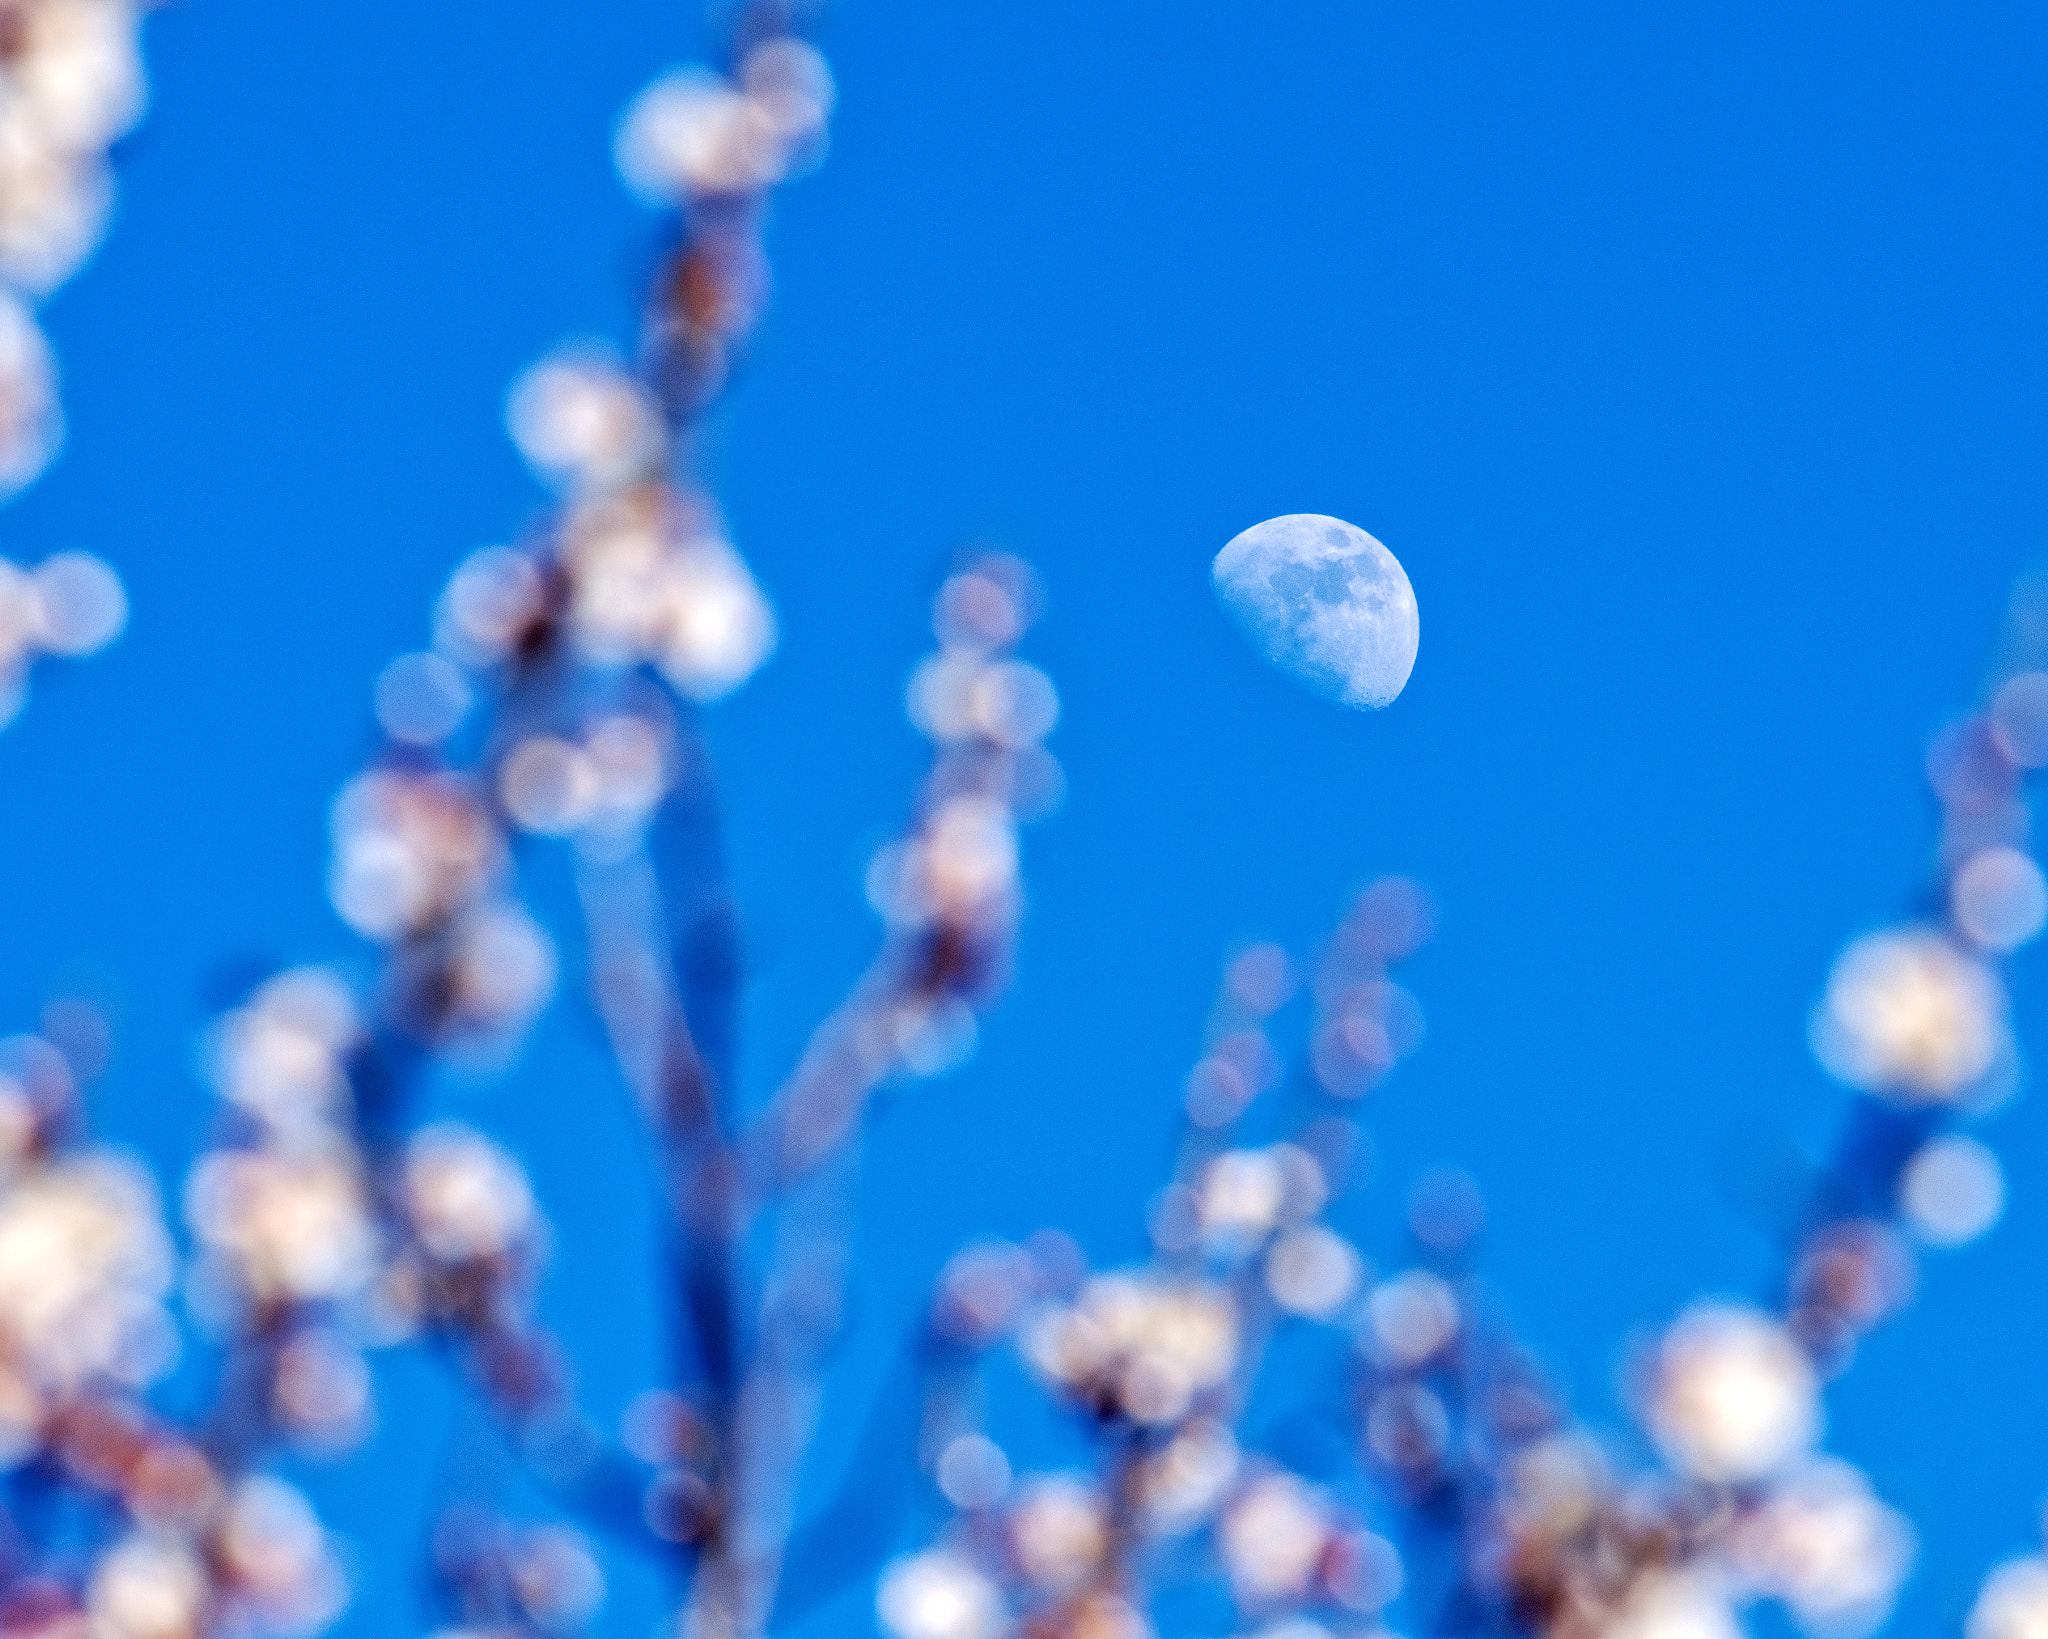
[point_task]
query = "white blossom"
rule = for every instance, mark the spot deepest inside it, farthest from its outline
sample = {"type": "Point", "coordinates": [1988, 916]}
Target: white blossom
{"type": "Point", "coordinates": [1734, 1397]}
{"type": "Point", "coordinates": [467, 1199]}
{"type": "Point", "coordinates": [1824, 1544]}
{"type": "Point", "coordinates": [1909, 1015]}
{"type": "Point", "coordinates": [2013, 1603]}
{"type": "Point", "coordinates": [83, 1260]}
{"type": "Point", "coordinates": [148, 1586]}
{"type": "Point", "coordinates": [1274, 1537]}
{"type": "Point", "coordinates": [284, 1226]}
{"type": "Point", "coordinates": [1059, 1531]}
{"type": "Point", "coordinates": [939, 1595]}
{"type": "Point", "coordinates": [1140, 1346]}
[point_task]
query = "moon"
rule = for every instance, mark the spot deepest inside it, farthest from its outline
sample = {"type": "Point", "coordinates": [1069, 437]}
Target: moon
{"type": "Point", "coordinates": [1323, 600]}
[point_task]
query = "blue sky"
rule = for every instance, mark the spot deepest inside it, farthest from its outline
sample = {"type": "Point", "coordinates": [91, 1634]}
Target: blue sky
{"type": "Point", "coordinates": [1686, 356]}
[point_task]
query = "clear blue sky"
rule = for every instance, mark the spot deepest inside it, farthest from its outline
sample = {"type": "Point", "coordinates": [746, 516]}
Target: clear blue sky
{"type": "Point", "coordinates": [1687, 356]}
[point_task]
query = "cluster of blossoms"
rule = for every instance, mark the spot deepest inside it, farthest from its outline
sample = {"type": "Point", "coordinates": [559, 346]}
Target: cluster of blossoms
{"type": "Point", "coordinates": [1564, 1541]}
{"type": "Point", "coordinates": [948, 888]}
{"type": "Point", "coordinates": [635, 570]}
{"type": "Point", "coordinates": [639, 573]}
{"type": "Point", "coordinates": [70, 84]}
{"type": "Point", "coordinates": [559, 700]}
{"type": "Point", "coordinates": [1159, 1363]}
{"type": "Point", "coordinates": [469, 1238]}
{"type": "Point", "coordinates": [248, 1557]}
{"type": "Point", "coordinates": [85, 1266]}
{"type": "Point", "coordinates": [319, 1230]}
{"type": "Point", "coordinates": [712, 145]}
{"type": "Point", "coordinates": [283, 1214]}
{"type": "Point", "coordinates": [1558, 1537]}
{"type": "Point", "coordinates": [311, 1244]}
{"type": "Point", "coordinates": [419, 865]}
{"type": "Point", "coordinates": [84, 1258]}
{"type": "Point", "coordinates": [1569, 1544]}
{"type": "Point", "coordinates": [318, 1238]}
{"type": "Point", "coordinates": [560, 662]}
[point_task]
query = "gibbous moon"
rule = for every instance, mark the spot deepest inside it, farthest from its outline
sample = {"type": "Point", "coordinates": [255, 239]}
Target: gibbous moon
{"type": "Point", "coordinates": [1325, 601]}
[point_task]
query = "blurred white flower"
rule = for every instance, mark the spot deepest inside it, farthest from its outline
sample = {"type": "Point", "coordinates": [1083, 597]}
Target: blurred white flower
{"type": "Point", "coordinates": [83, 1260]}
{"type": "Point", "coordinates": [788, 80]}
{"type": "Point", "coordinates": [421, 698]}
{"type": "Point", "coordinates": [2013, 1603]}
{"type": "Point", "coordinates": [1411, 1317]}
{"type": "Point", "coordinates": [1674, 1605]}
{"type": "Point", "coordinates": [1138, 1346]}
{"type": "Point", "coordinates": [1181, 1484]}
{"type": "Point", "coordinates": [75, 69]}
{"type": "Point", "coordinates": [973, 1472]}
{"type": "Point", "coordinates": [281, 1055]}
{"type": "Point", "coordinates": [1824, 1544]}
{"type": "Point", "coordinates": [81, 604]}
{"type": "Point", "coordinates": [691, 134]}
{"type": "Point", "coordinates": [148, 1586]}
{"type": "Point", "coordinates": [939, 1595]}
{"type": "Point", "coordinates": [275, 1558]}
{"type": "Point", "coordinates": [611, 781]}
{"type": "Point", "coordinates": [958, 695]}
{"type": "Point", "coordinates": [1733, 1396]}
{"type": "Point", "coordinates": [409, 850]}
{"type": "Point", "coordinates": [1407, 1427]}
{"type": "Point", "coordinates": [321, 1391]}
{"type": "Point", "coordinates": [1999, 899]}
{"type": "Point", "coordinates": [1274, 1536]}
{"type": "Point", "coordinates": [980, 1291]}
{"type": "Point", "coordinates": [501, 970]}
{"type": "Point", "coordinates": [556, 1577]}
{"type": "Point", "coordinates": [966, 858]}
{"type": "Point", "coordinates": [546, 784]}
{"type": "Point", "coordinates": [1952, 1191]}
{"type": "Point", "coordinates": [491, 601]}
{"type": "Point", "coordinates": [466, 1198]}
{"type": "Point", "coordinates": [719, 627]}
{"type": "Point", "coordinates": [582, 422]}
{"type": "Point", "coordinates": [53, 205]}
{"type": "Point", "coordinates": [285, 1227]}
{"type": "Point", "coordinates": [1239, 1197]}
{"type": "Point", "coordinates": [1313, 1271]}
{"type": "Point", "coordinates": [1554, 1487]}
{"type": "Point", "coordinates": [1909, 1015]}
{"type": "Point", "coordinates": [2019, 719]}
{"type": "Point", "coordinates": [1059, 1531]}
{"type": "Point", "coordinates": [646, 587]}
